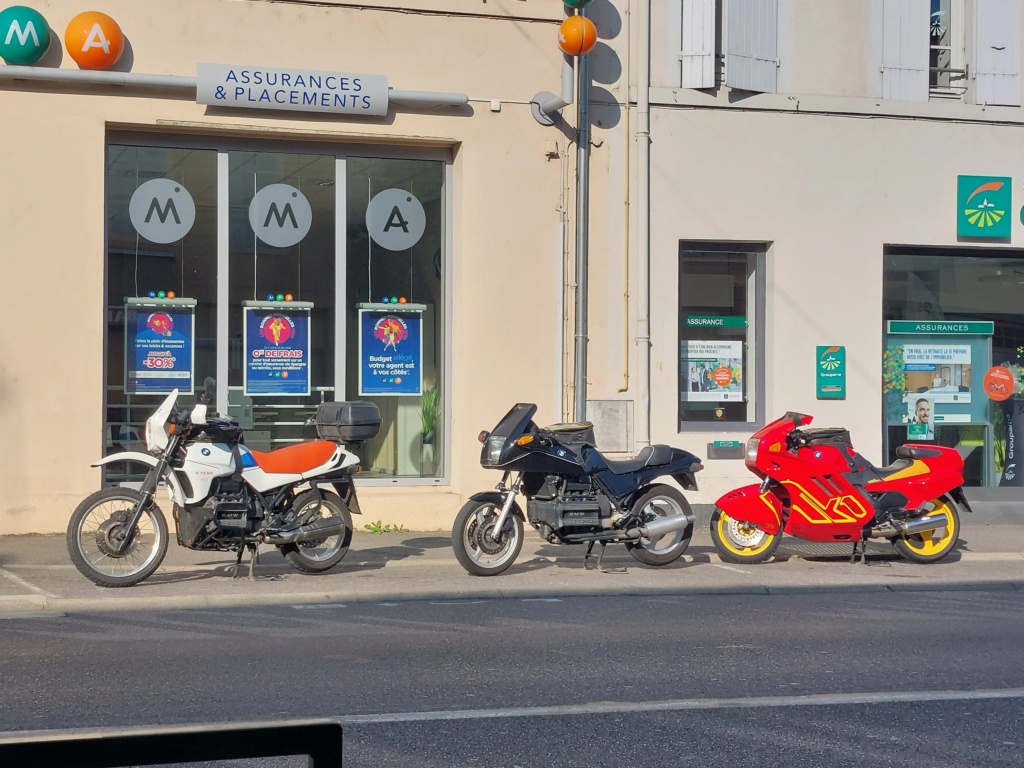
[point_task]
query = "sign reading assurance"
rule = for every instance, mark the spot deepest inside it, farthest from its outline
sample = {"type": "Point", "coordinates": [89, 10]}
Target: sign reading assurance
{"type": "Point", "coordinates": [296, 90]}
{"type": "Point", "coordinates": [390, 349]}
{"type": "Point", "coordinates": [161, 346]}
{"type": "Point", "coordinates": [276, 348]}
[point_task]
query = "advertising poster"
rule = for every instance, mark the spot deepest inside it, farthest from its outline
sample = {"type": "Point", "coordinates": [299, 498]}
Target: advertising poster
{"type": "Point", "coordinates": [920, 418]}
{"type": "Point", "coordinates": [159, 348]}
{"type": "Point", "coordinates": [712, 370]}
{"type": "Point", "coordinates": [391, 351]}
{"type": "Point", "coordinates": [942, 372]}
{"type": "Point", "coordinates": [276, 349]}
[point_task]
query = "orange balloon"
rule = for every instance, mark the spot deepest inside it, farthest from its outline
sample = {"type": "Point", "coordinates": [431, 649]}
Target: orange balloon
{"type": "Point", "coordinates": [577, 36]}
{"type": "Point", "coordinates": [94, 40]}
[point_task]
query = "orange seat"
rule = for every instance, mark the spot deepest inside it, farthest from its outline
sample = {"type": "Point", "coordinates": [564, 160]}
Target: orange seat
{"type": "Point", "coordinates": [295, 459]}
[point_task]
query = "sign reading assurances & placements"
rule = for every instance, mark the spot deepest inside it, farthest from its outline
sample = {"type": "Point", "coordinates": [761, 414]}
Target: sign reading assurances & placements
{"type": "Point", "coordinates": [295, 90]}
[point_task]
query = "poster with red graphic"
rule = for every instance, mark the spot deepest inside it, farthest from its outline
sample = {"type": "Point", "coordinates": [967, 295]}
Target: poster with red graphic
{"type": "Point", "coordinates": [276, 349]}
{"type": "Point", "coordinates": [159, 348]}
{"type": "Point", "coordinates": [391, 351]}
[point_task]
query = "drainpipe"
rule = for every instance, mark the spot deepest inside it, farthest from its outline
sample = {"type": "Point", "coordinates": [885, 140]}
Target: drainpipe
{"type": "Point", "coordinates": [582, 226]}
{"type": "Point", "coordinates": [642, 415]}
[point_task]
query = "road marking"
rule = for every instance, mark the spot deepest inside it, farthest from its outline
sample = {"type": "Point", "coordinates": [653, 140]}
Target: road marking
{"type": "Point", "coordinates": [728, 568]}
{"type": "Point", "coordinates": [627, 707]}
{"type": "Point", "coordinates": [317, 606]}
{"type": "Point", "coordinates": [541, 600]}
{"type": "Point", "coordinates": [27, 585]}
{"type": "Point", "coordinates": [458, 602]}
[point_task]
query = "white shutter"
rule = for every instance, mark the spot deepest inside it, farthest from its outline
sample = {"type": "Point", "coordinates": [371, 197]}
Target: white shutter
{"type": "Point", "coordinates": [752, 58]}
{"type": "Point", "coordinates": [905, 25]}
{"type": "Point", "coordinates": [997, 49]}
{"type": "Point", "coordinates": [697, 53]}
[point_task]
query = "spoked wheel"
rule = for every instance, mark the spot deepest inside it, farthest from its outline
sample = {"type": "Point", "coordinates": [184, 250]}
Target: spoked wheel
{"type": "Point", "coordinates": [929, 546]}
{"type": "Point", "coordinates": [661, 501]}
{"type": "Point", "coordinates": [741, 542]}
{"type": "Point", "coordinates": [319, 555]}
{"type": "Point", "coordinates": [99, 525]}
{"type": "Point", "coordinates": [478, 547]}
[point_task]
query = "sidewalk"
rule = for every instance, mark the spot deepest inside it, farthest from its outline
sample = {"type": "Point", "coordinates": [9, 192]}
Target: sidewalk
{"type": "Point", "coordinates": [36, 575]}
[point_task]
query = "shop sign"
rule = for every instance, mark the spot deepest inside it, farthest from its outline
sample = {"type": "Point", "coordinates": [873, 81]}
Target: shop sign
{"type": "Point", "coordinates": [162, 210]}
{"type": "Point", "coordinates": [395, 219]}
{"type": "Point", "coordinates": [280, 215]}
{"type": "Point", "coordinates": [391, 349]}
{"type": "Point", "coordinates": [295, 90]}
{"type": "Point", "coordinates": [160, 349]}
{"type": "Point", "coordinates": [24, 35]}
{"type": "Point", "coordinates": [982, 205]}
{"type": "Point", "coordinates": [276, 348]}
{"type": "Point", "coordinates": [953, 328]}
{"type": "Point", "coordinates": [716, 321]}
{"type": "Point", "coordinates": [831, 373]}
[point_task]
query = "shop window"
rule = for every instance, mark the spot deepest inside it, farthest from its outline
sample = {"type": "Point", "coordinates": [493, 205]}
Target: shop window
{"type": "Point", "coordinates": [721, 300]}
{"type": "Point", "coordinates": [217, 255]}
{"type": "Point", "coordinates": [952, 318]}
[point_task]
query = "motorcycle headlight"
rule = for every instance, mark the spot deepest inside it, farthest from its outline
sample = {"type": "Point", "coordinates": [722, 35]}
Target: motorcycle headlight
{"type": "Point", "coordinates": [494, 444]}
{"type": "Point", "coordinates": [752, 444]}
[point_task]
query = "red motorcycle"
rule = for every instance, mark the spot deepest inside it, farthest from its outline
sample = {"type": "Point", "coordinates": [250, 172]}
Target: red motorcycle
{"type": "Point", "coordinates": [816, 487]}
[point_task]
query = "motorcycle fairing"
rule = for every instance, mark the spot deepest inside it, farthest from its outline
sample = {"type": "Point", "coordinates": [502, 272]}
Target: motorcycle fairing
{"type": "Point", "coordinates": [750, 505]}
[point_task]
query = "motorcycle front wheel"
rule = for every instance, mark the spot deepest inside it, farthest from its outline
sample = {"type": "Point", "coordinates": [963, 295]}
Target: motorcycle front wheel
{"type": "Point", "coordinates": [99, 524]}
{"type": "Point", "coordinates": [661, 501]}
{"type": "Point", "coordinates": [476, 546]}
{"type": "Point", "coordinates": [929, 546]}
{"type": "Point", "coordinates": [319, 555]}
{"type": "Point", "coordinates": [741, 542]}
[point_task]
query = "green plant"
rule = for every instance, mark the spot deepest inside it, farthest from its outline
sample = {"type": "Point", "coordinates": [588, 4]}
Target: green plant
{"type": "Point", "coordinates": [378, 527]}
{"type": "Point", "coordinates": [430, 409]}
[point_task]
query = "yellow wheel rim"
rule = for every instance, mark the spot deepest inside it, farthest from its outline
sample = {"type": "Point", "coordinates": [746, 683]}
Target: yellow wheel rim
{"type": "Point", "coordinates": [934, 541]}
{"type": "Point", "coordinates": [740, 538]}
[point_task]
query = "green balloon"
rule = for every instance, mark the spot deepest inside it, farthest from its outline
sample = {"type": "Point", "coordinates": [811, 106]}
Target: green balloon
{"type": "Point", "coordinates": [24, 35]}
{"type": "Point", "coordinates": [577, 3]}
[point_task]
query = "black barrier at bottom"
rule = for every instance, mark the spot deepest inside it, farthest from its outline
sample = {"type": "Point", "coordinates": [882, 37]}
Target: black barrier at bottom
{"type": "Point", "coordinates": [320, 740]}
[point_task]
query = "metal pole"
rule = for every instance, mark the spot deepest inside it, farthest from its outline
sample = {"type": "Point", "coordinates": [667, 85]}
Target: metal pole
{"type": "Point", "coordinates": [582, 224]}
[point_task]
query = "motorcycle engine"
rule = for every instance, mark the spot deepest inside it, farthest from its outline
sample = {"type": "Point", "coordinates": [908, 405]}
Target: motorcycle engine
{"type": "Point", "coordinates": [566, 502]}
{"type": "Point", "coordinates": [222, 520]}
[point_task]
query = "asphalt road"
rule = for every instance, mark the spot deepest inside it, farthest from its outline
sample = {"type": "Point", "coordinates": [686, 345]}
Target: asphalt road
{"type": "Point", "coordinates": [819, 678]}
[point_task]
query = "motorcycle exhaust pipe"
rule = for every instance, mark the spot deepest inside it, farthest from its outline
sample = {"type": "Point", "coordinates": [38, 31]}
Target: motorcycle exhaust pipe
{"type": "Point", "coordinates": [320, 529]}
{"type": "Point", "coordinates": [909, 527]}
{"type": "Point", "coordinates": [658, 528]}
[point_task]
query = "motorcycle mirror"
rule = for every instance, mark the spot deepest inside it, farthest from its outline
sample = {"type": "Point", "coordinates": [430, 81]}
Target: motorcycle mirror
{"type": "Point", "coordinates": [209, 391]}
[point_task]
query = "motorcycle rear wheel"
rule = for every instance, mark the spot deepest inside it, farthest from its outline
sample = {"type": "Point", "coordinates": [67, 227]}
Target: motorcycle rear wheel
{"type": "Point", "coordinates": [97, 525]}
{"type": "Point", "coordinates": [661, 501]}
{"type": "Point", "coordinates": [741, 542]}
{"type": "Point", "coordinates": [319, 555]}
{"type": "Point", "coordinates": [473, 542]}
{"type": "Point", "coordinates": [930, 546]}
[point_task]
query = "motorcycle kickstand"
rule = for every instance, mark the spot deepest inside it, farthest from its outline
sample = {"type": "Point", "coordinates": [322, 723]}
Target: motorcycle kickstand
{"type": "Point", "coordinates": [600, 556]}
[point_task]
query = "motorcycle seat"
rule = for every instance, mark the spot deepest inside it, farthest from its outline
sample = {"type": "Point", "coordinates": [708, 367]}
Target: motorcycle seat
{"type": "Point", "coordinates": [917, 452]}
{"type": "Point", "coordinates": [651, 456]}
{"type": "Point", "coordinates": [295, 459]}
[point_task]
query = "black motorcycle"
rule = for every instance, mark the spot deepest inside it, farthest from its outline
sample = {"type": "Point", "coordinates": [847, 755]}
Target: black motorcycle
{"type": "Point", "coordinates": [574, 495]}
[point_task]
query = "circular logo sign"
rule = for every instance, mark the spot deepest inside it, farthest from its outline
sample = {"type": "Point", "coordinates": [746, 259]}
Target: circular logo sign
{"type": "Point", "coordinates": [94, 40]}
{"type": "Point", "coordinates": [162, 211]}
{"type": "Point", "coordinates": [24, 35]}
{"type": "Point", "coordinates": [395, 219]}
{"type": "Point", "coordinates": [391, 331]}
{"type": "Point", "coordinates": [722, 376]}
{"type": "Point", "coordinates": [160, 323]}
{"type": "Point", "coordinates": [998, 383]}
{"type": "Point", "coordinates": [280, 215]}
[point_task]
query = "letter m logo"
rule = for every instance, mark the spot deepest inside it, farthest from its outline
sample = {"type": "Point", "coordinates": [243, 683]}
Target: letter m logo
{"type": "Point", "coordinates": [162, 214]}
{"type": "Point", "coordinates": [22, 34]}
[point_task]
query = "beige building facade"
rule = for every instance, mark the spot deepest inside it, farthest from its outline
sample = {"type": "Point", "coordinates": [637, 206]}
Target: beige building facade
{"type": "Point", "coordinates": [773, 184]}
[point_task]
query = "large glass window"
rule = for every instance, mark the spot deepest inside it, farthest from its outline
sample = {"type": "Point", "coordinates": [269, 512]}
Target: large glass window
{"type": "Point", "coordinates": [720, 300]}
{"type": "Point", "coordinates": [219, 258]}
{"type": "Point", "coordinates": [953, 356]}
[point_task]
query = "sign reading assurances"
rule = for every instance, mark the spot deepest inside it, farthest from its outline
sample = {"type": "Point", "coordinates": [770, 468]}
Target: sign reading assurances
{"type": "Point", "coordinates": [295, 90]}
{"type": "Point", "coordinates": [952, 327]}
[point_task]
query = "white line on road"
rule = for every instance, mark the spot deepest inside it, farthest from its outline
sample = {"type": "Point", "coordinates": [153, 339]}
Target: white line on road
{"type": "Point", "coordinates": [728, 568]}
{"type": "Point", "coordinates": [625, 707]}
{"type": "Point", "coordinates": [27, 585]}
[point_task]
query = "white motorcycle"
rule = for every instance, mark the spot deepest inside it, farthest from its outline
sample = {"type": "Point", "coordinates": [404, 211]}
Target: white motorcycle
{"type": "Point", "coordinates": [225, 496]}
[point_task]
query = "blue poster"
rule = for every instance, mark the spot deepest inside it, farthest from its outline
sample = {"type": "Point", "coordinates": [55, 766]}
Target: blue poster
{"type": "Point", "coordinates": [391, 351]}
{"type": "Point", "coordinates": [159, 347]}
{"type": "Point", "coordinates": [277, 349]}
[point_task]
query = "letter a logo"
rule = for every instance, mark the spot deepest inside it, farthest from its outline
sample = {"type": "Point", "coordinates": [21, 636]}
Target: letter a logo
{"type": "Point", "coordinates": [395, 219]}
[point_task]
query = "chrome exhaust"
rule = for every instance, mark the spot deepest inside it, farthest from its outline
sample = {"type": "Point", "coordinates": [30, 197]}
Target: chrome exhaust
{"type": "Point", "coordinates": [658, 528]}
{"type": "Point", "coordinates": [320, 529]}
{"type": "Point", "coordinates": [909, 527]}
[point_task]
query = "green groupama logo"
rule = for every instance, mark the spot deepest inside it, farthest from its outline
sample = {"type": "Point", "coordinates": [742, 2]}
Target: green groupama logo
{"type": "Point", "coordinates": [983, 203]}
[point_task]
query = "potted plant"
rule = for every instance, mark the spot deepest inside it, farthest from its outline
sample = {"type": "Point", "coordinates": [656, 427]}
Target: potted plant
{"type": "Point", "coordinates": [430, 407]}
